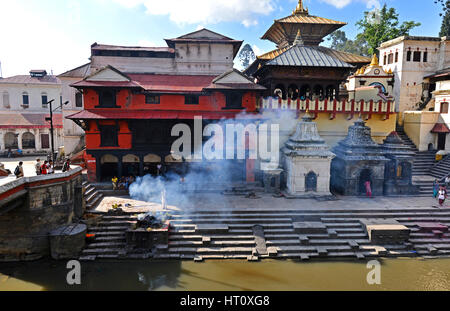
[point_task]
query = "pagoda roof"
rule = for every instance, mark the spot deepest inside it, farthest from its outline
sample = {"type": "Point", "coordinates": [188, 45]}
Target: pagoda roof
{"type": "Point", "coordinates": [307, 56]}
{"type": "Point", "coordinates": [343, 56]}
{"type": "Point", "coordinates": [312, 29]}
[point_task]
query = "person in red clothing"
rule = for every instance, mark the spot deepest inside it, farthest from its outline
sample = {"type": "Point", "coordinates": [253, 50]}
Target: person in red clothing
{"type": "Point", "coordinates": [44, 168]}
{"type": "Point", "coordinates": [368, 189]}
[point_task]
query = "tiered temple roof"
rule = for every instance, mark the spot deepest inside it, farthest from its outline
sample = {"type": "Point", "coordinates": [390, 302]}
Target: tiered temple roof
{"type": "Point", "coordinates": [312, 29]}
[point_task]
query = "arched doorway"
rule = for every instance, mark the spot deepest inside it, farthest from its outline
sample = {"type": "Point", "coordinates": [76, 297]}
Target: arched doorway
{"type": "Point", "coordinates": [293, 92]}
{"type": "Point", "coordinates": [311, 182]}
{"type": "Point", "coordinates": [11, 141]}
{"type": "Point", "coordinates": [280, 91]}
{"type": "Point", "coordinates": [305, 92]}
{"type": "Point", "coordinates": [109, 167]}
{"type": "Point", "coordinates": [364, 176]}
{"type": "Point", "coordinates": [330, 92]}
{"type": "Point", "coordinates": [28, 141]}
{"type": "Point", "coordinates": [130, 165]}
{"type": "Point", "coordinates": [150, 164]}
{"type": "Point", "coordinates": [318, 92]}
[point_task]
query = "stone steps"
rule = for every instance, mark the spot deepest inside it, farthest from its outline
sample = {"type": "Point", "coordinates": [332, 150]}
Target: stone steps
{"type": "Point", "coordinates": [345, 238]}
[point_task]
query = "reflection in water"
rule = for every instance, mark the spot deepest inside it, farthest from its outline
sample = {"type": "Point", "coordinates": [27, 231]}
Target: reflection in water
{"type": "Point", "coordinates": [396, 274]}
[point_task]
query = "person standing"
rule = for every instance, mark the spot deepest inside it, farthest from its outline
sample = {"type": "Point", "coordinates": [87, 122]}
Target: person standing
{"type": "Point", "coordinates": [37, 167]}
{"type": "Point", "coordinates": [114, 182]}
{"type": "Point", "coordinates": [442, 196]}
{"type": "Point", "coordinates": [368, 189]}
{"type": "Point", "coordinates": [435, 188]}
{"type": "Point", "coordinates": [19, 170]}
{"type": "Point", "coordinates": [447, 181]}
{"type": "Point", "coordinates": [66, 166]}
{"type": "Point", "coordinates": [50, 169]}
{"type": "Point", "coordinates": [44, 168]}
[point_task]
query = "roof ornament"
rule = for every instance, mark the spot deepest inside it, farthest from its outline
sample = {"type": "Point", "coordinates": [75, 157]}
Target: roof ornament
{"type": "Point", "coordinates": [374, 61]}
{"type": "Point", "coordinates": [298, 39]}
{"type": "Point", "coordinates": [300, 9]}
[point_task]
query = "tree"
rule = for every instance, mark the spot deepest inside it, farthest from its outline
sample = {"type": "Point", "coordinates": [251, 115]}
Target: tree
{"type": "Point", "coordinates": [246, 56]}
{"type": "Point", "coordinates": [382, 25]}
{"type": "Point", "coordinates": [445, 27]}
{"type": "Point", "coordinates": [340, 42]}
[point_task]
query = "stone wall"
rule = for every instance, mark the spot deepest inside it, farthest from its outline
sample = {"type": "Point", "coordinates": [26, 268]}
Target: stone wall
{"type": "Point", "coordinates": [39, 205]}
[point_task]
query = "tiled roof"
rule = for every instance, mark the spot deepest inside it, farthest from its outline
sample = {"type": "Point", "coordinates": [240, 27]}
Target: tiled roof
{"type": "Point", "coordinates": [97, 46]}
{"type": "Point", "coordinates": [27, 79]}
{"type": "Point", "coordinates": [307, 56]}
{"type": "Point", "coordinates": [172, 83]}
{"type": "Point", "coordinates": [29, 120]}
{"type": "Point", "coordinates": [99, 114]}
{"type": "Point", "coordinates": [308, 19]}
{"type": "Point", "coordinates": [79, 72]}
{"type": "Point", "coordinates": [343, 56]}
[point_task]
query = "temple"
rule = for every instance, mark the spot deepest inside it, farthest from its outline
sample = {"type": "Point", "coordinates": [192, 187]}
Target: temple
{"type": "Point", "coordinates": [134, 96]}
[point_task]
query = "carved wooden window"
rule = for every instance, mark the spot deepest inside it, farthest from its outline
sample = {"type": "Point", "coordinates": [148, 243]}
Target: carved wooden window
{"type": "Point", "coordinates": [152, 99]}
{"type": "Point", "coordinates": [191, 99]}
{"type": "Point", "coordinates": [78, 99]}
{"type": "Point", "coordinates": [109, 136]}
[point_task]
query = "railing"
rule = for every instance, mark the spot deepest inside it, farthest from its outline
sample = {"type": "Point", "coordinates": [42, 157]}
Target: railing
{"type": "Point", "coordinates": [332, 107]}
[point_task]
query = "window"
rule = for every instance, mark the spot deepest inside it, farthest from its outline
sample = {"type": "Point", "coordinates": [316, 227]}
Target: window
{"type": "Point", "coordinates": [234, 100]}
{"type": "Point", "coordinates": [425, 57]}
{"type": "Point", "coordinates": [109, 136]}
{"type": "Point", "coordinates": [6, 100]}
{"type": "Point", "coordinates": [25, 100]}
{"type": "Point", "coordinates": [416, 56]}
{"type": "Point", "coordinates": [385, 60]}
{"type": "Point", "coordinates": [44, 100]}
{"type": "Point", "coordinates": [191, 99]}
{"type": "Point", "coordinates": [408, 56]}
{"type": "Point", "coordinates": [45, 141]}
{"type": "Point", "coordinates": [390, 58]}
{"type": "Point", "coordinates": [78, 99]}
{"type": "Point", "coordinates": [107, 99]}
{"type": "Point", "coordinates": [396, 57]}
{"type": "Point", "coordinates": [444, 107]}
{"type": "Point", "coordinates": [152, 99]}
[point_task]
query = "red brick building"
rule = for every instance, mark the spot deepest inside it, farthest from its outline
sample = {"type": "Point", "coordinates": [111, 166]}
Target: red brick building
{"type": "Point", "coordinates": [130, 110]}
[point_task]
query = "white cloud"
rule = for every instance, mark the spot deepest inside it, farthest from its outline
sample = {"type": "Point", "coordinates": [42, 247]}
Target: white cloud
{"type": "Point", "coordinates": [28, 42]}
{"type": "Point", "coordinates": [206, 11]}
{"type": "Point", "coordinates": [146, 43]}
{"type": "Point", "coordinates": [343, 3]}
{"type": "Point", "coordinates": [257, 50]}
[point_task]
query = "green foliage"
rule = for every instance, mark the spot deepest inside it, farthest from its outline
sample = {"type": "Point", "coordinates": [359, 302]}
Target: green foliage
{"type": "Point", "coordinates": [381, 26]}
{"type": "Point", "coordinates": [445, 27]}
{"type": "Point", "coordinates": [340, 42]}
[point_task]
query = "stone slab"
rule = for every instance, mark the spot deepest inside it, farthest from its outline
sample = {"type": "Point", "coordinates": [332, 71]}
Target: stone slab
{"type": "Point", "coordinates": [310, 227]}
{"type": "Point", "coordinates": [212, 228]}
{"type": "Point", "coordinates": [432, 226]}
{"type": "Point", "coordinates": [385, 230]}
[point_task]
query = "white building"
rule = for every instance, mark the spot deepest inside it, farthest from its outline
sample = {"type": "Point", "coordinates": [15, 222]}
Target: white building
{"type": "Point", "coordinates": [74, 137]}
{"type": "Point", "coordinates": [24, 109]}
{"type": "Point", "coordinates": [411, 59]}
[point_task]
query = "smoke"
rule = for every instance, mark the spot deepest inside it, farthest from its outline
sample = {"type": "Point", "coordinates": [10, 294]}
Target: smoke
{"type": "Point", "coordinates": [189, 175]}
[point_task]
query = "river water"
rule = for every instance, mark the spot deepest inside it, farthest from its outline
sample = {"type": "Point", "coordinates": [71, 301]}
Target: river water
{"type": "Point", "coordinates": [270, 275]}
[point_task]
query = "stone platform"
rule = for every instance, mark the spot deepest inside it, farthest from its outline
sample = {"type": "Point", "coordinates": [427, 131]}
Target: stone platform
{"type": "Point", "coordinates": [238, 228]}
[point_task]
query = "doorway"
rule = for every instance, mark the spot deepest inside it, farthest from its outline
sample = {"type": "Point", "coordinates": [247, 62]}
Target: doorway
{"type": "Point", "coordinates": [311, 182]}
{"type": "Point", "coordinates": [442, 137]}
{"type": "Point", "coordinates": [366, 175]}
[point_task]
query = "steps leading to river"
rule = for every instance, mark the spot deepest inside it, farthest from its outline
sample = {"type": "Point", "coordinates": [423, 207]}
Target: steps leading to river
{"type": "Point", "coordinates": [234, 237]}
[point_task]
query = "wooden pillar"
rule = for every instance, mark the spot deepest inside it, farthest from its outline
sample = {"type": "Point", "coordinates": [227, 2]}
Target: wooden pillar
{"type": "Point", "coordinates": [141, 165]}
{"type": "Point", "coordinates": [98, 168]}
{"type": "Point", "coordinates": [120, 166]}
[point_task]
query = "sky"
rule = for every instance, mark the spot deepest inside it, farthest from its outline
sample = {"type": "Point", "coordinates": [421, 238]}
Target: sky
{"type": "Point", "coordinates": [56, 35]}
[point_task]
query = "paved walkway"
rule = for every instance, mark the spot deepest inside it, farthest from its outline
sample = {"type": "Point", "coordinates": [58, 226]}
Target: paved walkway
{"type": "Point", "coordinates": [219, 202]}
{"type": "Point", "coordinates": [28, 167]}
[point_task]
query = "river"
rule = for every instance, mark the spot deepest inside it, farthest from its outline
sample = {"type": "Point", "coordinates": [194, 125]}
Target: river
{"type": "Point", "coordinates": [270, 275]}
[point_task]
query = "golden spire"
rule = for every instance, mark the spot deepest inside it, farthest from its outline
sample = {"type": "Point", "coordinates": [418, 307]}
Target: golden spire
{"type": "Point", "coordinates": [300, 9]}
{"type": "Point", "coordinates": [374, 61]}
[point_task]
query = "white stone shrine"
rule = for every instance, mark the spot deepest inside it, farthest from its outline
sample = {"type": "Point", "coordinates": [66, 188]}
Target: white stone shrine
{"type": "Point", "coordinates": [307, 160]}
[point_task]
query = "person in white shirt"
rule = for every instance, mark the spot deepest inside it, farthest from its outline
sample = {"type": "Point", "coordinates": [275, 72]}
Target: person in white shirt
{"type": "Point", "coordinates": [37, 167]}
{"type": "Point", "coordinates": [442, 195]}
